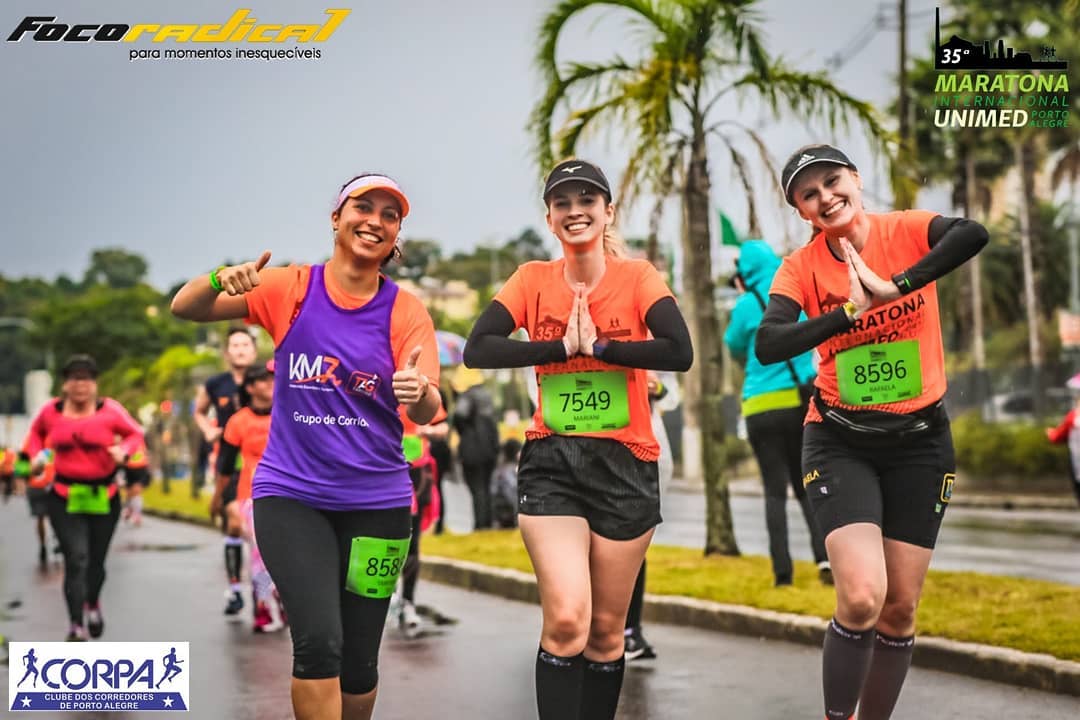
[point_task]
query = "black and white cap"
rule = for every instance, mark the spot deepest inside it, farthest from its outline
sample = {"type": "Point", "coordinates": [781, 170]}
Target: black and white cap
{"type": "Point", "coordinates": [570, 170]}
{"type": "Point", "coordinates": [806, 157]}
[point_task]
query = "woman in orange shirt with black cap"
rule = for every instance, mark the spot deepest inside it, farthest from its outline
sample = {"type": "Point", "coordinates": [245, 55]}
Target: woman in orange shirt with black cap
{"type": "Point", "coordinates": [877, 457]}
{"type": "Point", "coordinates": [588, 488]}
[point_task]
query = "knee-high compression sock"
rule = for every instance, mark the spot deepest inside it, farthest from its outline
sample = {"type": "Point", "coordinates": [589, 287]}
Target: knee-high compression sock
{"type": "Point", "coordinates": [558, 685]}
{"type": "Point", "coordinates": [892, 658]}
{"type": "Point", "coordinates": [844, 664]}
{"type": "Point", "coordinates": [600, 689]}
{"type": "Point", "coordinates": [234, 558]}
{"type": "Point", "coordinates": [637, 600]}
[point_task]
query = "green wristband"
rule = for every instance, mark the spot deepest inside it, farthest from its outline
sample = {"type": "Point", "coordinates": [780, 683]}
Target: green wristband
{"type": "Point", "coordinates": [214, 282]}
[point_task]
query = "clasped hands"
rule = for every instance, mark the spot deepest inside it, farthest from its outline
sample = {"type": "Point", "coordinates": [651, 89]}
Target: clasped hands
{"type": "Point", "coordinates": [580, 333]}
{"type": "Point", "coordinates": [866, 288]}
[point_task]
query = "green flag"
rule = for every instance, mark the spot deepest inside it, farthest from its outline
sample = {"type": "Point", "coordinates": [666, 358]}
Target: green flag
{"type": "Point", "coordinates": [728, 236]}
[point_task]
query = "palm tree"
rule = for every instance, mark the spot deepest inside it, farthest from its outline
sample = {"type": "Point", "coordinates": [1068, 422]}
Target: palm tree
{"type": "Point", "coordinates": [696, 54]}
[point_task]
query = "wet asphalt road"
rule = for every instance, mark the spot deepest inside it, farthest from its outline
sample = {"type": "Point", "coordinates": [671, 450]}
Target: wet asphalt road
{"type": "Point", "coordinates": [165, 583]}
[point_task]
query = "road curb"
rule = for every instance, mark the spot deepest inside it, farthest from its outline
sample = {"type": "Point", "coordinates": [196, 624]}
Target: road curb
{"type": "Point", "coordinates": [1003, 665]}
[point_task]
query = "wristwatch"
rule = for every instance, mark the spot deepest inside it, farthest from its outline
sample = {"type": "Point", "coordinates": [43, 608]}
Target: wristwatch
{"type": "Point", "coordinates": [902, 282]}
{"type": "Point", "coordinates": [851, 310]}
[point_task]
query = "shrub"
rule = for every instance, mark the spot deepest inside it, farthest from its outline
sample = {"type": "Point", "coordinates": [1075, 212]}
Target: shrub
{"type": "Point", "coordinates": [996, 450]}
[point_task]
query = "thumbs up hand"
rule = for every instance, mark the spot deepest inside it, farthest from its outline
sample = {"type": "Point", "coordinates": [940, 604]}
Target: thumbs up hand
{"type": "Point", "coordinates": [410, 385]}
{"type": "Point", "coordinates": [242, 278]}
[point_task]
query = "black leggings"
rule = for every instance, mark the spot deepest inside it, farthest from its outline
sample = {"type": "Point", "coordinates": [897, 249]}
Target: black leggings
{"type": "Point", "coordinates": [84, 540]}
{"type": "Point", "coordinates": [776, 437]}
{"type": "Point", "coordinates": [335, 633]}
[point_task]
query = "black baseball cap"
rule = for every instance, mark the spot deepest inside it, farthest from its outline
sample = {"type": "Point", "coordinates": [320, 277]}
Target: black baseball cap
{"type": "Point", "coordinates": [807, 156]}
{"type": "Point", "coordinates": [580, 170]}
{"type": "Point", "coordinates": [80, 362]}
{"type": "Point", "coordinates": [258, 371]}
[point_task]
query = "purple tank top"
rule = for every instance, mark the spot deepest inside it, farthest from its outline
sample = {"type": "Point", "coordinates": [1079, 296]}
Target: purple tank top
{"type": "Point", "coordinates": [335, 434]}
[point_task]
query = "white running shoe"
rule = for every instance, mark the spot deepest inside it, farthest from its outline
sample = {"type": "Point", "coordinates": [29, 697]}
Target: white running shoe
{"type": "Point", "coordinates": [409, 620]}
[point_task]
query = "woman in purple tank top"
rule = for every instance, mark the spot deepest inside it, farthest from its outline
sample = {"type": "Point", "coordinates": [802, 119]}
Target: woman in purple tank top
{"type": "Point", "coordinates": [332, 493]}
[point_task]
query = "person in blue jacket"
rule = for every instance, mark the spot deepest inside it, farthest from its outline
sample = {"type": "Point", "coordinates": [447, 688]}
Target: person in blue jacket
{"type": "Point", "coordinates": [774, 408]}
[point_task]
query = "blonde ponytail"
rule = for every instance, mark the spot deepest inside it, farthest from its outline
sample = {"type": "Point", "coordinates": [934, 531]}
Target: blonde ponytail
{"type": "Point", "coordinates": [614, 244]}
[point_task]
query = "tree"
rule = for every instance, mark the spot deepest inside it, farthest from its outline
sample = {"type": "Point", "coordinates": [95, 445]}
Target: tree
{"type": "Point", "coordinates": [417, 257]}
{"type": "Point", "coordinates": [116, 268]}
{"type": "Point", "coordinates": [110, 324]}
{"type": "Point", "coordinates": [695, 54]}
{"type": "Point", "coordinates": [528, 245]}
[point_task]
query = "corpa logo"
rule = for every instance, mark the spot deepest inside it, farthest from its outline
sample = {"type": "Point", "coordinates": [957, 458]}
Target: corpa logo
{"type": "Point", "coordinates": [319, 369]}
{"type": "Point", "coordinates": [99, 676]}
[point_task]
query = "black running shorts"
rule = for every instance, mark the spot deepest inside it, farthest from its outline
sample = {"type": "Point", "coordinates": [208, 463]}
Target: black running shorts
{"type": "Point", "coordinates": [903, 488]}
{"type": "Point", "coordinates": [594, 478]}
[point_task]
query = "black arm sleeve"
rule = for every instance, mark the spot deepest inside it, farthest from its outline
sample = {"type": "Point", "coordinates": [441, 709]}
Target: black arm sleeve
{"type": "Point", "coordinates": [781, 336]}
{"type": "Point", "coordinates": [489, 347]}
{"type": "Point", "coordinates": [226, 459]}
{"type": "Point", "coordinates": [669, 349]}
{"type": "Point", "coordinates": [953, 241]}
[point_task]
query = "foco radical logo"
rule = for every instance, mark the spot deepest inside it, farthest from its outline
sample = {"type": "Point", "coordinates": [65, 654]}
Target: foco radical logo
{"type": "Point", "coordinates": [239, 28]}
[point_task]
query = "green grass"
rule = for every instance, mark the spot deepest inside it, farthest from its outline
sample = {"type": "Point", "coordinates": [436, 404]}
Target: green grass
{"type": "Point", "coordinates": [1029, 615]}
{"type": "Point", "coordinates": [178, 500]}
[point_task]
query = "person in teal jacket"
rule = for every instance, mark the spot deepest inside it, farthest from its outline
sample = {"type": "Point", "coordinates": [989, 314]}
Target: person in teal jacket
{"type": "Point", "coordinates": [774, 409]}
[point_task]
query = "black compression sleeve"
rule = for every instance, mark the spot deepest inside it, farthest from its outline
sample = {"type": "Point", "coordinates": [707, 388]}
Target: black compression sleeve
{"type": "Point", "coordinates": [781, 336]}
{"type": "Point", "coordinates": [489, 347]}
{"type": "Point", "coordinates": [669, 349]}
{"type": "Point", "coordinates": [953, 241]}
{"type": "Point", "coordinates": [226, 459]}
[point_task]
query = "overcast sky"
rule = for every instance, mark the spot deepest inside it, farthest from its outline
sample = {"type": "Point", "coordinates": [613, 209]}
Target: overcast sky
{"type": "Point", "coordinates": [190, 162]}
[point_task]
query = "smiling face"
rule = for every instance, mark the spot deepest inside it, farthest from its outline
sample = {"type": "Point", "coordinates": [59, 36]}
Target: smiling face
{"type": "Point", "coordinates": [829, 196]}
{"type": "Point", "coordinates": [367, 227]}
{"type": "Point", "coordinates": [578, 213]}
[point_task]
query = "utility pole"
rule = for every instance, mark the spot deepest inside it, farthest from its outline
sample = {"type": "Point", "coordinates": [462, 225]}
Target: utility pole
{"type": "Point", "coordinates": [902, 104]}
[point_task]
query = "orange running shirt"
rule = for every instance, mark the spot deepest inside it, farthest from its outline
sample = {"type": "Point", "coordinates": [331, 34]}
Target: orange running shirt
{"type": "Point", "coordinates": [248, 431]}
{"type": "Point", "coordinates": [275, 303]}
{"type": "Point", "coordinates": [539, 299]}
{"type": "Point", "coordinates": [813, 277]}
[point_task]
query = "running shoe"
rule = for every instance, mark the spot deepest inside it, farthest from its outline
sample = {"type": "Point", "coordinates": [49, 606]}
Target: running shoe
{"type": "Point", "coordinates": [235, 604]}
{"type": "Point", "coordinates": [43, 557]}
{"type": "Point", "coordinates": [825, 573]}
{"type": "Point", "coordinates": [409, 620]}
{"type": "Point", "coordinates": [95, 623]}
{"type": "Point", "coordinates": [267, 617]}
{"type": "Point", "coordinates": [77, 633]}
{"type": "Point", "coordinates": [636, 646]}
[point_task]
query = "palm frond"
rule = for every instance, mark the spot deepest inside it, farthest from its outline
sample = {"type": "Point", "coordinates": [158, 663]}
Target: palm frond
{"type": "Point", "coordinates": [649, 12]}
